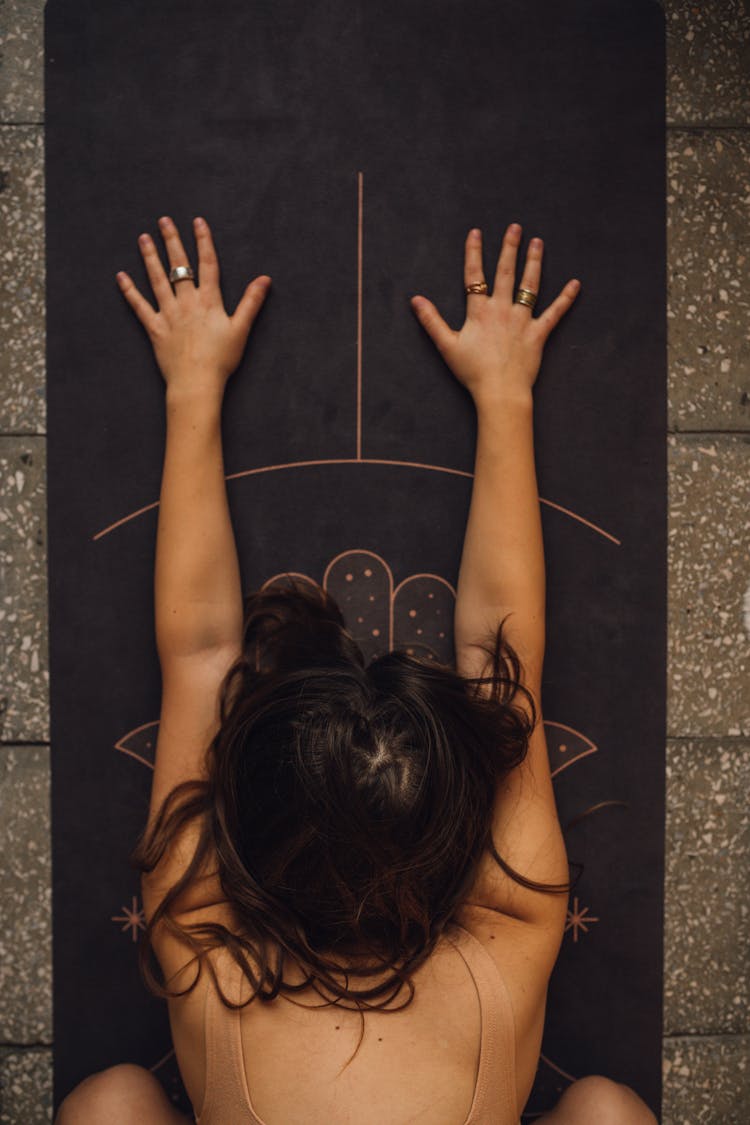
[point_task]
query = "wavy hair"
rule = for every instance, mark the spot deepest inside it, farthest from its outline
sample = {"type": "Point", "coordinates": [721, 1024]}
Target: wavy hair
{"type": "Point", "coordinates": [348, 805]}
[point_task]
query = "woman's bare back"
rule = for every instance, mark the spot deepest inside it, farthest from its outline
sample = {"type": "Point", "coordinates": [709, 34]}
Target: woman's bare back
{"type": "Point", "coordinates": [293, 1054]}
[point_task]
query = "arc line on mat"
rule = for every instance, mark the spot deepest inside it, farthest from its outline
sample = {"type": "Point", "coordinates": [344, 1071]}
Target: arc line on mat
{"type": "Point", "coordinates": [361, 461]}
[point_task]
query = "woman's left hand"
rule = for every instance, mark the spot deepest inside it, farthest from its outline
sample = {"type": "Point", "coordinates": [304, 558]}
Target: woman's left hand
{"type": "Point", "coordinates": [197, 346]}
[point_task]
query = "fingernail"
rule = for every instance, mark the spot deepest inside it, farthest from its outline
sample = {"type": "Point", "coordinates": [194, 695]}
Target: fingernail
{"type": "Point", "coordinates": [417, 302]}
{"type": "Point", "coordinates": [199, 222]}
{"type": "Point", "coordinates": [120, 278]}
{"type": "Point", "coordinates": [475, 233]}
{"type": "Point", "coordinates": [515, 228]}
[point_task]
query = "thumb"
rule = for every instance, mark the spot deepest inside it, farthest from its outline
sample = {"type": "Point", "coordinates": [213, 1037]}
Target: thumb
{"type": "Point", "coordinates": [251, 301]}
{"type": "Point", "coordinates": [439, 332]}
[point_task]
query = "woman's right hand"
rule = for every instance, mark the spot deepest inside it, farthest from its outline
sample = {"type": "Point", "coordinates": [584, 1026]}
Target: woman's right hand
{"type": "Point", "coordinates": [498, 351]}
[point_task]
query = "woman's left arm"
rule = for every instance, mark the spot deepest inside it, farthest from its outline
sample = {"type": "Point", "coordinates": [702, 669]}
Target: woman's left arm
{"type": "Point", "coordinates": [198, 595]}
{"type": "Point", "coordinates": [197, 587]}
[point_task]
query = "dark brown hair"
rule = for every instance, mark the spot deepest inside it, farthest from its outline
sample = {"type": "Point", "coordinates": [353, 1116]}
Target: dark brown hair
{"type": "Point", "coordinates": [348, 806]}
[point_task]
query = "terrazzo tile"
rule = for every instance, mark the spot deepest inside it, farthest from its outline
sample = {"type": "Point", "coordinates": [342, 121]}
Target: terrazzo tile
{"type": "Point", "coordinates": [22, 60]}
{"type": "Point", "coordinates": [707, 887]}
{"type": "Point", "coordinates": [26, 1086]}
{"type": "Point", "coordinates": [708, 630]}
{"type": "Point", "coordinates": [25, 891]}
{"type": "Point", "coordinates": [22, 297]}
{"type": "Point", "coordinates": [708, 61]}
{"type": "Point", "coordinates": [24, 676]}
{"type": "Point", "coordinates": [706, 1080]}
{"type": "Point", "coordinates": [708, 279]}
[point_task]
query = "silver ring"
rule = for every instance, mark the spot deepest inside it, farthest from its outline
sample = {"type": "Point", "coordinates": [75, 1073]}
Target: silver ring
{"type": "Point", "coordinates": [180, 273]}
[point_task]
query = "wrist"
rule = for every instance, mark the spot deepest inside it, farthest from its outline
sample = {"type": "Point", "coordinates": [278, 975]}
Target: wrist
{"type": "Point", "coordinates": [210, 393]}
{"type": "Point", "coordinates": [499, 401]}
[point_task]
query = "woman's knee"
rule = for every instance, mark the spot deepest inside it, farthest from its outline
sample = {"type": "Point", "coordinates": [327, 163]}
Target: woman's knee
{"type": "Point", "coordinates": [596, 1100]}
{"type": "Point", "coordinates": [130, 1088]}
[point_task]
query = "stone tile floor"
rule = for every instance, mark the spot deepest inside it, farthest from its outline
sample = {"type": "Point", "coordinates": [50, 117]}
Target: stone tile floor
{"type": "Point", "coordinates": [706, 1033]}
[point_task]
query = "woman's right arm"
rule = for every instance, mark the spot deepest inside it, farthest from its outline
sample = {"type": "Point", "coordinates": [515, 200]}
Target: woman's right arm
{"type": "Point", "coordinates": [502, 564]}
{"type": "Point", "coordinates": [497, 355]}
{"type": "Point", "coordinates": [502, 572]}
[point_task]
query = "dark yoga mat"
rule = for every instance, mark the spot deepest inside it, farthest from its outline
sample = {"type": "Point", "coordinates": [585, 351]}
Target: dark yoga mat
{"type": "Point", "coordinates": [345, 149]}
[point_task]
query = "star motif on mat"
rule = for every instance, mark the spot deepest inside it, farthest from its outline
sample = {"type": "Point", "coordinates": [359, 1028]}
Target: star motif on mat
{"type": "Point", "coordinates": [134, 919]}
{"type": "Point", "coordinates": [578, 919]}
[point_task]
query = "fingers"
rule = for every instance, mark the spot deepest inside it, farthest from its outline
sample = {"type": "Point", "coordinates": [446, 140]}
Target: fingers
{"type": "Point", "coordinates": [439, 332]}
{"type": "Point", "coordinates": [556, 311]}
{"type": "Point", "coordinates": [532, 270]}
{"type": "Point", "coordinates": [505, 274]}
{"type": "Point", "coordinates": [250, 302]}
{"type": "Point", "coordinates": [208, 262]}
{"type": "Point", "coordinates": [473, 268]}
{"type": "Point", "coordinates": [155, 270]}
{"type": "Point", "coordinates": [141, 307]}
{"type": "Point", "coordinates": [175, 252]}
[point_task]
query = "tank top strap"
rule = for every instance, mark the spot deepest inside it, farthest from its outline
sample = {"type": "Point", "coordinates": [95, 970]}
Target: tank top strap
{"type": "Point", "coordinates": [226, 1097]}
{"type": "Point", "coordinates": [495, 1093]}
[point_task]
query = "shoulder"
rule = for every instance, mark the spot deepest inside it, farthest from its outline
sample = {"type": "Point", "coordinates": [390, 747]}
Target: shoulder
{"type": "Point", "coordinates": [506, 938]}
{"type": "Point", "coordinates": [178, 962]}
{"type": "Point", "coordinates": [524, 953]}
{"type": "Point", "coordinates": [187, 1013]}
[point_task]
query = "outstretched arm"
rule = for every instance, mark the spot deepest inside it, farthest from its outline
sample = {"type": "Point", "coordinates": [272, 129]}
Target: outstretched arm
{"type": "Point", "coordinates": [198, 594]}
{"type": "Point", "coordinates": [197, 586]}
{"type": "Point", "coordinates": [496, 355]}
{"type": "Point", "coordinates": [502, 563]}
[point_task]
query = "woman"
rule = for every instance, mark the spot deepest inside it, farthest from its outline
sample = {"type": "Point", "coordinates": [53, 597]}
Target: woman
{"type": "Point", "coordinates": [326, 838]}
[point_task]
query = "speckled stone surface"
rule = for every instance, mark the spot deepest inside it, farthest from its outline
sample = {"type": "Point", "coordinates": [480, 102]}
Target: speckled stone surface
{"type": "Point", "coordinates": [708, 272]}
{"type": "Point", "coordinates": [24, 676]}
{"type": "Point", "coordinates": [707, 908]}
{"type": "Point", "coordinates": [26, 1090]}
{"type": "Point", "coordinates": [708, 683]}
{"type": "Point", "coordinates": [706, 1080]}
{"type": "Point", "coordinates": [26, 917]}
{"type": "Point", "coordinates": [22, 315]}
{"type": "Point", "coordinates": [22, 69]}
{"type": "Point", "coordinates": [708, 61]}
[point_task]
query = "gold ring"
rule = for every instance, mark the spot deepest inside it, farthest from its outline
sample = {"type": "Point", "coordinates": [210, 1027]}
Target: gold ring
{"type": "Point", "coordinates": [525, 297]}
{"type": "Point", "coordinates": [477, 287]}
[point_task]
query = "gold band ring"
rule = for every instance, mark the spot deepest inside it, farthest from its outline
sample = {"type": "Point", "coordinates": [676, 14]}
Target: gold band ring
{"type": "Point", "coordinates": [525, 297]}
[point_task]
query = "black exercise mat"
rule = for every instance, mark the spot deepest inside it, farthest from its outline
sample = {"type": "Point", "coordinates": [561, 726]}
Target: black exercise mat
{"type": "Point", "coordinates": [345, 148]}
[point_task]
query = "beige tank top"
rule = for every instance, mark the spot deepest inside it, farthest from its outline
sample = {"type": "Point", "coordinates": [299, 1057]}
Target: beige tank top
{"type": "Point", "coordinates": [228, 1100]}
